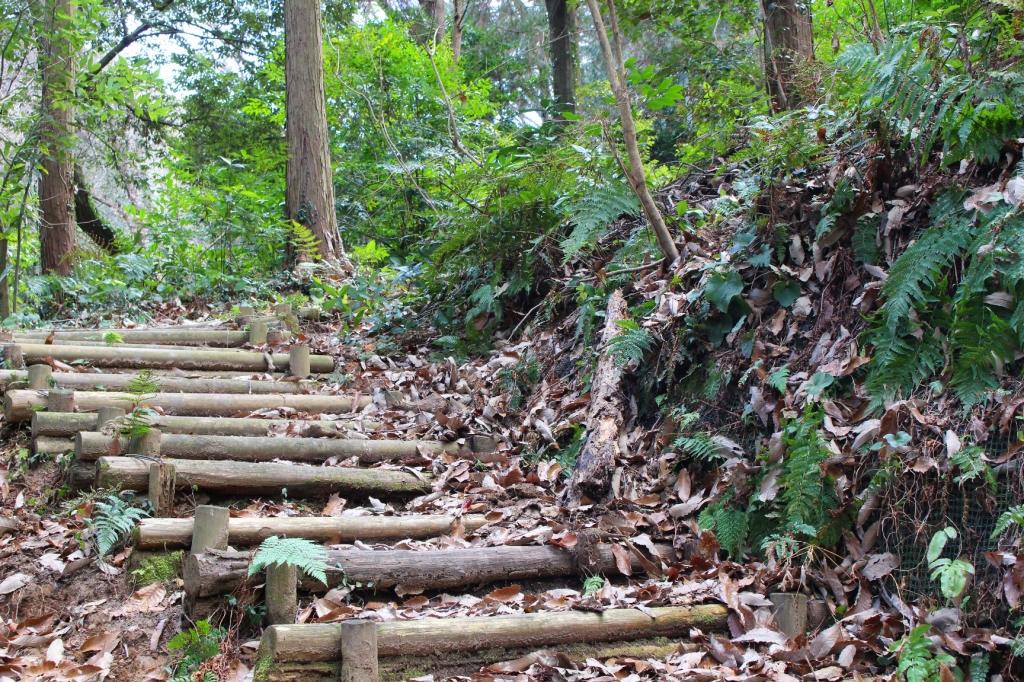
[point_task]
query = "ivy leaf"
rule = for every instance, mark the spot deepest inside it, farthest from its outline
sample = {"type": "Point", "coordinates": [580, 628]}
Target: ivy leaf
{"type": "Point", "coordinates": [722, 288]}
{"type": "Point", "coordinates": [786, 292]}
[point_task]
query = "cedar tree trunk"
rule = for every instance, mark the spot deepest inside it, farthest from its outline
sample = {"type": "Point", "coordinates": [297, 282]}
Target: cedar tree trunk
{"type": "Point", "coordinates": [562, 37]}
{"type": "Point", "coordinates": [788, 43]}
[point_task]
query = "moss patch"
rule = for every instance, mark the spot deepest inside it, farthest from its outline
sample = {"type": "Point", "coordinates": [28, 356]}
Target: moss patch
{"type": "Point", "coordinates": [158, 568]}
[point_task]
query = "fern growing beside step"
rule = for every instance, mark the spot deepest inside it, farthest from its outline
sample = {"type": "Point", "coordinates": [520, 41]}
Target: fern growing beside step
{"type": "Point", "coordinates": [307, 556]}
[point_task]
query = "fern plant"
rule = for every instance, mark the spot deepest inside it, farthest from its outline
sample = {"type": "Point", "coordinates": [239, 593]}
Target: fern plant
{"type": "Point", "coordinates": [729, 523]}
{"type": "Point", "coordinates": [113, 521]}
{"type": "Point", "coordinates": [631, 343]}
{"type": "Point", "coordinates": [307, 556]}
{"type": "Point", "coordinates": [303, 241]}
{"type": "Point", "coordinates": [196, 645]}
{"type": "Point", "coordinates": [919, 661]}
{"type": "Point", "coordinates": [591, 214]}
{"type": "Point", "coordinates": [1014, 516]}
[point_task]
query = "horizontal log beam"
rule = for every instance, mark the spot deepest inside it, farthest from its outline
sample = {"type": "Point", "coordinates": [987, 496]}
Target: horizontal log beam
{"type": "Point", "coordinates": [439, 636]}
{"type": "Point", "coordinates": [264, 478]}
{"type": "Point", "coordinates": [221, 572]}
{"type": "Point", "coordinates": [172, 335]}
{"type": "Point", "coordinates": [246, 531]}
{"type": "Point", "coordinates": [153, 358]}
{"type": "Point", "coordinates": [96, 381]}
{"type": "Point", "coordinates": [90, 445]}
{"type": "Point", "coordinates": [51, 445]}
{"type": "Point", "coordinates": [20, 405]}
{"type": "Point", "coordinates": [67, 424]}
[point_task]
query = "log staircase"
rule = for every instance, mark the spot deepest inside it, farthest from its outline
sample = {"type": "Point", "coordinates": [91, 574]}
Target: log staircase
{"type": "Point", "coordinates": [203, 438]}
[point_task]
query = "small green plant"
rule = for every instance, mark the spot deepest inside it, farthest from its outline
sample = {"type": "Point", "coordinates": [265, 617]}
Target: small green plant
{"type": "Point", "coordinates": [143, 384]}
{"type": "Point", "coordinates": [952, 574]}
{"type": "Point", "coordinates": [307, 556]}
{"type": "Point", "coordinates": [970, 464]}
{"type": "Point", "coordinates": [729, 523]}
{"type": "Point", "coordinates": [592, 584]}
{"type": "Point", "coordinates": [631, 344]}
{"type": "Point", "coordinates": [160, 568]}
{"type": "Point", "coordinates": [779, 378]}
{"type": "Point", "coordinates": [197, 645]}
{"type": "Point", "coordinates": [113, 520]}
{"type": "Point", "coordinates": [919, 661]}
{"type": "Point", "coordinates": [519, 379]}
{"type": "Point", "coordinates": [1014, 516]}
{"type": "Point", "coordinates": [112, 338]}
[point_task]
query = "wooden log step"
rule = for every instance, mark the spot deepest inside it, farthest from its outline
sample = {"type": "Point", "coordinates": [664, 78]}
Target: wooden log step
{"type": "Point", "coordinates": [168, 384]}
{"type": "Point", "coordinates": [19, 405]}
{"type": "Point", "coordinates": [292, 652]}
{"type": "Point", "coordinates": [51, 445]}
{"type": "Point", "coordinates": [176, 533]}
{"type": "Point", "coordinates": [154, 358]}
{"type": "Point", "coordinates": [182, 336]}
{"type": "Point", "coordinates": [223, 571]}
{"type": "Point", "coordinates": [90, 445]}
{"type": "Point", "coordinates": [263, 478]}
{"type": "Point", "coordinates": [67, 424]}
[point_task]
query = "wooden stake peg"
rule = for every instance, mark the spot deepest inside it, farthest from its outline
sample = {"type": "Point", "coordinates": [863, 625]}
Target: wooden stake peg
{"type": "Point", "coordinates": [283, 309]}
{"type": "Point", "coordinates": [276, 337]}
{"type": "Point", "coordinates": [147, 444]}
{"type": "Point", "coordinates": [105, 415]}
{"type": "Point", "coordinates": [790, 612]}
{"type": "Point", "coordinates": [161, 489]}
{"type": "Point", "coordinates": [282, 593]}
{"type": "Point", "coordinates": [60, 400]}
{"type": "Point", "coordinates": [359, 651]}
{"type": "Point", "coordinates": [40, 377]}
{"type": "Point", "coordinates": [210, 528]}
{"type": "Point", "coordinates": [258, 332]}
{"type": "Point", "coordinates": [298, 361]}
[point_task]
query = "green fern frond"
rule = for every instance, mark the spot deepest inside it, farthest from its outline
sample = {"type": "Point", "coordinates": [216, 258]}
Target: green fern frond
{"type": "Point", "coordinates": [305, 243]}
{"type": "Point", "coordinates": [631, 343]}
{"type": "Point", "coordinates": [1014, 516]}
{"type": "Point", "coordinates": [113, 521]}
{"type": "Point", "coordinates": [779, 379]}
{"type": "Point", "coordinates": [144, 383]}
{"type": "Point", "coordinates": [307, 556]}
{"type": "Point", "coordinates": [594, 212]}
{"type": "Point", "coordinates": [729, 524]}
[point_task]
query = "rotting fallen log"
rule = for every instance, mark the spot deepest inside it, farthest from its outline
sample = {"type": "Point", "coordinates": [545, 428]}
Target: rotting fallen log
{"type": "Point", "coordinates": [313, 652]}
{"type": "Point", "coordinates": [592, 475]}
{"type": "Point", "coordinates": [153, 358]}
{"type": "Point", "coordinates": [90, 445]}
{"type": "Point", "coordinates": [181, 336]}
{"type": "Point", "coordinates": [222, 571]}
{"type": "Point", "coordinates": [108, 382]}
{"type": "Point", "coordinates": [263, 478]}
{"type": "Point", "coordinates": [19, 405]}
{"type": "Point", "coordinates": [69, 423]}
{"type": "Point", "coordinates": [176, 533]}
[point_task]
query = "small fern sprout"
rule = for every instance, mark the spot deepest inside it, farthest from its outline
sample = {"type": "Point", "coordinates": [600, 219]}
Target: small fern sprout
{"type": "Point", "coordinates": [113, 521]}
{"type": "Point", "coordinates": [307, 556]}
{"type": "Point", "coordinates": [631, 344]}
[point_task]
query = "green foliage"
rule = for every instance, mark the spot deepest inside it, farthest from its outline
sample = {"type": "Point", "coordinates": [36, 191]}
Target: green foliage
{"type": "Point", "coordinates": [160, 568]}
{"type": "Point", "coordinates": [196, 645]}
{"type": "Point", "coordinates": [143, 384]}
{"type": "Point", "coordinates": [919, 660]}
{"type": "Point", "coordinates": [592, 584]}
{"type": "Point", "coordinates": [591, 214]}
{"type": "Point", "coordinates": [971, 465]}
{"type": "Point", "coordinates": [631, 343]}
{"type": "Point", "coordinates": [113, 521]}
{"type": "Point", "coordinates": [807, 494]}
{"type": "Point", "coordinates": [779, 379]}
{"type": "Point", "coordinates": [952, 574]}
{"type": "Point", "coordinates": [1014, 516]}
{"type": "Point", "coordinates": [729, 524]}
{"type": "Point", "coordinates": [519, 379]}
{"type": "Point", "coordinates": [307, 556]}
{"type": "Point", "coordinates": [305, 243]}
{"type": "Point", "coordinates": [112, 338]}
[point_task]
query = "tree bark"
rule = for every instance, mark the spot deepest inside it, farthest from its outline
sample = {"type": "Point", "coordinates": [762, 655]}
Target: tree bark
{"type": "Point", "coordinates": [56, 185]}
{"type": "Point", "coordinates": [788, 44]}
{"type": "Point", "coordinates": [68, 424]}
{"type": "Point", "coordinates": [222, 572]}
{"type": "Point", "coordinates": [562, 30]}
{"type": "Point", "coordinates": [90, 445]}
{"type": "Point", "coordinates": [112, 382]}
{"type": "Point", "coordinates": [89, 219]}
{"type": "Point", "coordinates": [180, 337]}
{"type": "Point", "coordinates": [264, 478]}
{"type": "Point", "coordinates": [435, 11]}
{"type": "Point", "coordinates": [635, 168]}
{"type": "Point", "coordinates": [309, 194]}
{"type": "Point", "coordinates": [20, 405]}
{"type": "Point", "coordinates": [458, 24]}
{"type": "Point", "coordinates": [438, 636]}
{"type": "Point", "coordinates": [155, 358]}
{"type": "Point", "coordinates": [175, 533]}
{"type": "Point", "coordinates": [592, 474]}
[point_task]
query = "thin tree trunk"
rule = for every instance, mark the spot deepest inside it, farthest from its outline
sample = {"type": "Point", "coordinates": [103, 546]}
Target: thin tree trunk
{"type": "Point", "coordinates": [788, 43]}
{"type": "Point", "coordinates": [56, 188]}
{"type": "Point", "coordinates": [88, 218]}
{"type": "Point", "coordinates": [5, 291]}
{"type": "Point", "coordinates": [635, 168]}
{"type": "Point", "coordinates": [435, 11]}
{"type": "Point", "coordinates": [562, 28]}
{"type": "Point", "coordinates": [309, 197]}
{"type": "Point", "coordinates": [458, 22]}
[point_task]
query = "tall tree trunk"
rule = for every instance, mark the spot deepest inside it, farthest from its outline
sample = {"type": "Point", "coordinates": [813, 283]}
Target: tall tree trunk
{"type": "Point", "coordinates": [56, 187]}
{"type": "Point", "coordinates": [458, 22]}
{"type": "Point", "coordinates": [562, 39]}
{"type": "Point", "coordinates": [635, 167]}
{"type": "Point", "coordinates": [788, 43]}
{"type": "Point", "coordinates": [309, 195]}
{"type": "Point", "coordinates": [435, 11]}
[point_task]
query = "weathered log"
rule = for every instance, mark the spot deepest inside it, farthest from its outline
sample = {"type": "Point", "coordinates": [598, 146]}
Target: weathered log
{"type": "Point", "coordinates": [90, 445]}
{"type": "Point", "coordinates": [468, 662]}
{"type": "Point", "coordinates": [281, 593]}
{"type": "Point", "coordinates": [211, 528]}
{"type": "Point", "coordinates": [181, 336]}
{"type": "Point", "coordinates": [221, 572]}
{"type": "Point", "coordinates": [439, 636]}
{"type": "Point", "coordinates": [109, 381]}
{"type": "Point", "coordinates": [175, 533]}
{"type": "Point", "coordinates": [154, 358]}
{"type": "Point", "coordinates": [49, 445]}
{"type": "Point", "coordinates": [122, 345]}
{"type": "Point", "coordinates": [359, 651]}
{"type": "Point", "coordinates": [70, 423]}
{"type": "Point", "coordinates": [161, 488]}
{"type": "Point", "coordinates": [39, 377]}
{"type": "Point", "coordinates": [263, 478]}
{"type": "Point", "coordinates": [19, 405]}
{"type": "Point", "coordinates": [591, 477]}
